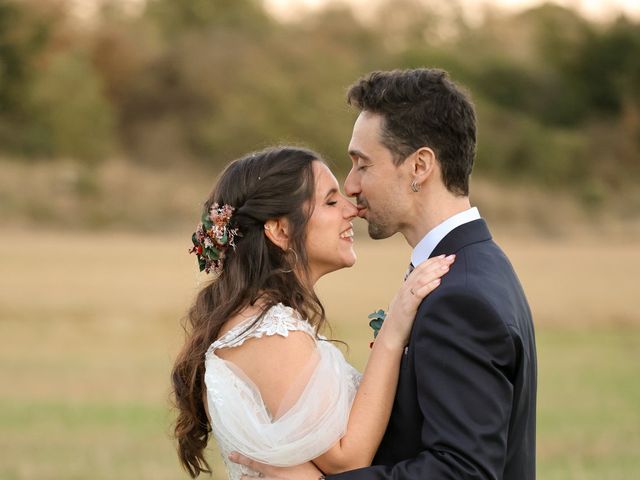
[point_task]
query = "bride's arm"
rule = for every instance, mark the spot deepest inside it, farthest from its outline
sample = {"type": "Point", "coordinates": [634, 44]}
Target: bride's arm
{"type": "Point", "coordinates": [279, 368]}
{"type": "Point", "coordinates": [373, 402]}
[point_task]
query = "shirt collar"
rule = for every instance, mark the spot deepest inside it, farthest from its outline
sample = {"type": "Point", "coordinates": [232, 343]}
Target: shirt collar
{"type": "Point", "coordinates": [425, 247]}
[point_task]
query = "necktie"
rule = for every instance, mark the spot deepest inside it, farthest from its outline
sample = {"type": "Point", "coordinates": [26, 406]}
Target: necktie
{"type": "Point", "coordinates": [409, 270]}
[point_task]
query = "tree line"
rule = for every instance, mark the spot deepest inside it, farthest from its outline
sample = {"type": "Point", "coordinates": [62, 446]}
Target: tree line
{"type": "Point", "coordinates": [200, 82]}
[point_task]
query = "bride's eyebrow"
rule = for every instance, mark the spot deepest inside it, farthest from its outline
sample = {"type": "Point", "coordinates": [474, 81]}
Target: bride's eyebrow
{"type": "Point", "coordinates": [331, 192]}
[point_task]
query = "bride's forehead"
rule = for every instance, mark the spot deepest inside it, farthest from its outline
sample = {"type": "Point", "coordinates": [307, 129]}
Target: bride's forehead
{"type": "Point", "coordinates": [324, 177]}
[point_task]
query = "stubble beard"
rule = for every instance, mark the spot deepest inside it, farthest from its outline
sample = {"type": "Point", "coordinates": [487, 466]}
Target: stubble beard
{"type": "Point", "coordinates": [380, 225]}
{"type": "Point", "coordinates": [379, 230]}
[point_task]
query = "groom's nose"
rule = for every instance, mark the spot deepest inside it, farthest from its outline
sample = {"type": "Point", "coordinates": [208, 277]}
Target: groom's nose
{"type": "Point", "coordinates": [351, 184]}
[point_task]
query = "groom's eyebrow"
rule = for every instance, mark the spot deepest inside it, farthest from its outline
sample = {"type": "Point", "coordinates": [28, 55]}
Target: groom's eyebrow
{"type": "Point", "coordinates": [359, 154]}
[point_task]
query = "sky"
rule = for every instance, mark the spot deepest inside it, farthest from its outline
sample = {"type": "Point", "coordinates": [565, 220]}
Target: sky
{"type": "Point", "coordinates": [290, 9]}
{"type": "Point", "coordinates": [594, 9]}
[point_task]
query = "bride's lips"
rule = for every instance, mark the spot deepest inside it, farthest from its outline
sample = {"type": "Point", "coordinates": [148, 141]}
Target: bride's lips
{"type": "Point", "coordinates": [347, 234]}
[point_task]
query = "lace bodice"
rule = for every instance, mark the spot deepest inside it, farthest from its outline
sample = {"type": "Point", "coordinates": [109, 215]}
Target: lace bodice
{"type": "Point", "coordinates": [279, 320]}
{"type": "Point", "coordinates": [314, 422]}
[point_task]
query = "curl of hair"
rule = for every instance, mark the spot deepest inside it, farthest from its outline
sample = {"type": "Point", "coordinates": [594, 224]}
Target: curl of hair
{"type": "Point", "coordinates": [273, 183]}
{"type": "Point", "coordinates": [422, 108]}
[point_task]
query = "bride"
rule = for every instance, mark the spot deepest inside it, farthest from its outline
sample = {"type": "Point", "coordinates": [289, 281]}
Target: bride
{"type": "Point", "coordinates": [254, 371]}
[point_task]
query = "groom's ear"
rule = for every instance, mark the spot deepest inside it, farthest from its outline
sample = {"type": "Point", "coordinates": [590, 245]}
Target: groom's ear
{"type": "Point", "coordinates": [424, 164]}
{"type": "Point", "coordinates": [277, 230]}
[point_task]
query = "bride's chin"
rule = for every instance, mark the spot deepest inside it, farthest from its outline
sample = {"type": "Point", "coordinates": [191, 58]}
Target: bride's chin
{"type": "Point", "coordinates": [351, 262]}
{"type": "Point", "coordinates": [347, 263]}
{"type": "Point", "coordinates": [339, 265]}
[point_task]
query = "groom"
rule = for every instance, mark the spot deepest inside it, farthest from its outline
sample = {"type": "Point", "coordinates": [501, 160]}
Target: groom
{"type": "Point", "coordinates": [465, 407]}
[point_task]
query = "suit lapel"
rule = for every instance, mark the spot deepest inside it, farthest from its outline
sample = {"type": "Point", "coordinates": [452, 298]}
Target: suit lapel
{"type": "Point", "coordinates": [466, 234]}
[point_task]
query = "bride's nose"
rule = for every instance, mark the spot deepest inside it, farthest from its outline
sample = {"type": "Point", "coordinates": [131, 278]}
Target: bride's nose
{"type": "Point", "coordinates": [350, 210]}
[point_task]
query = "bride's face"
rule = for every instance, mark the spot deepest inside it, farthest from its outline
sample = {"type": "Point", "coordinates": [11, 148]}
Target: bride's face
{"type": "Point", "coordinates": [329, 241]}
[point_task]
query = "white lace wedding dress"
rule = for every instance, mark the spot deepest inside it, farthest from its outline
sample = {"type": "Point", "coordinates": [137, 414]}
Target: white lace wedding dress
{"type": "Point", "coordinates": [313, 419]}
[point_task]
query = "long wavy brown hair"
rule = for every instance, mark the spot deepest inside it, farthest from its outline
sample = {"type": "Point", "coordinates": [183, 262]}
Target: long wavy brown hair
{"type": "Point", "coordinates": [273, 183]}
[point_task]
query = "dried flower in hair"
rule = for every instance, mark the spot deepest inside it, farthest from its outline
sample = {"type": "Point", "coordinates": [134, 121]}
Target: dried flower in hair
{"type": "Point", "coordinates": [213, 237]}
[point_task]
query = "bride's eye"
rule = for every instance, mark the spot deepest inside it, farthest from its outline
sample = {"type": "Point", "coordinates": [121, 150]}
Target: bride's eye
{"type": "Point", "coordinates": [332, 202]}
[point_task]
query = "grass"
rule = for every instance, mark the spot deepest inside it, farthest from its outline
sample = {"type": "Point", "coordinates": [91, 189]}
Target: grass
{"type": "Point", "coordinates": [89, 326]}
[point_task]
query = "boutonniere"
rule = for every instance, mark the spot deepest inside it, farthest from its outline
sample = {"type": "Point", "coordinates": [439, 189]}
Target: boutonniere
{"type": "Point", "coordinates": [376, 320]}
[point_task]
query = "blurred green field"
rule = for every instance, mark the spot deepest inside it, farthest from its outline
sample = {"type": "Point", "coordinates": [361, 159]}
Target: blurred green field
{"type": "Point", "coordinates": [89, 325]}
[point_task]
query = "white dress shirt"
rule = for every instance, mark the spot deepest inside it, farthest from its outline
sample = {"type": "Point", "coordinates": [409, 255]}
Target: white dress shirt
{"type": "Point", "coordinates": [425, 247]}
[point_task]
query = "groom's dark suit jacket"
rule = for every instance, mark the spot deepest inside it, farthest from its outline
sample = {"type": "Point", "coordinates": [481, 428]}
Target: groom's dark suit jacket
{"type": "Point", "coordinates": [466, 401]}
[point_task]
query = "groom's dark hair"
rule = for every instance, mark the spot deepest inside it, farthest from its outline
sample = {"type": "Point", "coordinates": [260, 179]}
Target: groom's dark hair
{"type": "Point", "coordinates": [422, 108]}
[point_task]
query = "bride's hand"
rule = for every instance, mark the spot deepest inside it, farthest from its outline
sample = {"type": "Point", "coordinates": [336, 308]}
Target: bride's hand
{"type": "Point", "coordinates": [306, 471]}
{"type": "Point", "coordinates": [402, 310]}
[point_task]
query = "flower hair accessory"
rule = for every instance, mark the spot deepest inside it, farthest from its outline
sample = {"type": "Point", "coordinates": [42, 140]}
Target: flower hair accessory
{"type": "Point", "coordinates": [213, 237]}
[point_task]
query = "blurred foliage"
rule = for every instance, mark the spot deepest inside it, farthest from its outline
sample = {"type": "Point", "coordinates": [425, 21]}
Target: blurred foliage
{"type": "Point", "coordinates": [75, 118]}
{"type": "Point", "coordinates": [202, 81]}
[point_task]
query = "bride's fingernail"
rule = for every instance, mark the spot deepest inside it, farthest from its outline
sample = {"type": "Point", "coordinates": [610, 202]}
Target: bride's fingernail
{"type": "Point", "coordinates": [451, 257]}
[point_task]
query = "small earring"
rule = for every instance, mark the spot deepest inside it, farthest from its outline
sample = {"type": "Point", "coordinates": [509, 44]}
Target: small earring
{"type": "Point", "coordinates": [415, 187]}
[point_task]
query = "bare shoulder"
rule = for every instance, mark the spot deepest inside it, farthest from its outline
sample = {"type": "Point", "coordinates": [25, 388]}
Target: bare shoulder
{"type": "Point", "coordinates": [274, 363]}
{"type": "Point", "coordinates": [270, 349]}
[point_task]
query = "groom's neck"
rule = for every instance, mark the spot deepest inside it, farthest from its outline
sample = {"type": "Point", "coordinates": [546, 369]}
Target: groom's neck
{"type": "Point", "coordinates": [430, 211]}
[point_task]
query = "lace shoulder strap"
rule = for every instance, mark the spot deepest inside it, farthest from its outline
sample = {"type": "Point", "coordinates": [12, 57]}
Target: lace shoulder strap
{"type": "Point", "coordinates": [278, 320]}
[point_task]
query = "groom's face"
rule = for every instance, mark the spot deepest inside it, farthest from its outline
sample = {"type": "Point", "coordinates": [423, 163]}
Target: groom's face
{"type": "Point", "coordinates": [379, 186]}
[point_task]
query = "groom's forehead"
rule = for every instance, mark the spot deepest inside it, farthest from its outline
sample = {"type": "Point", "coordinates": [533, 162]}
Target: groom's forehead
{"type": "Point", "coordinates": [368, 124]}
{"type": "Point", "coordinates": [365, 137]}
